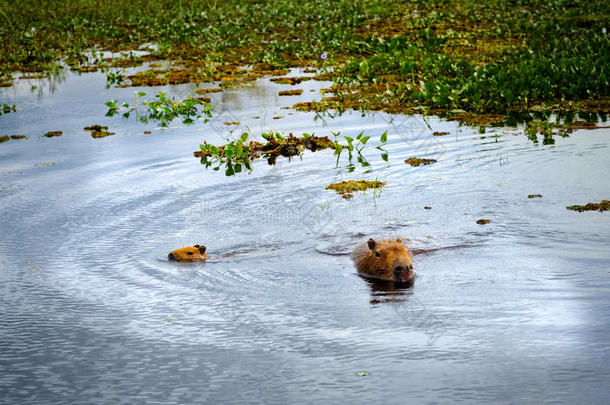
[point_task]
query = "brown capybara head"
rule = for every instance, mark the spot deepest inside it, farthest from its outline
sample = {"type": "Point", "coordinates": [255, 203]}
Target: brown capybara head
{"type": "Point", "coordinates": [188, 254]}
{"type": "Point", "coordinates": [386, 259]}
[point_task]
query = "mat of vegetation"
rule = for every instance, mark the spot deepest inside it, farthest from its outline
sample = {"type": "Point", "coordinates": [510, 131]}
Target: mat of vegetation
{"type": "Point", "coordinates": [431, 56]}
{"type": "Point", "coordinates": [347, 188]}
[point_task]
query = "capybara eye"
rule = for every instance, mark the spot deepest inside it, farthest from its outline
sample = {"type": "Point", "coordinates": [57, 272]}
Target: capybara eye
{"type": "Point", "coordinates": [189, 253]}
{"type": "Point", "coordinates": [377, 254]}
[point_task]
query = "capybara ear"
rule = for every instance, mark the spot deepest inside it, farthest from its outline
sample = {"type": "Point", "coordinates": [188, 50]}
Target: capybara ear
{"type": "Point", "coordinates": [399, 239]}
{"type": "Point", "coordinates": [201, 248]}
{"type": "Point", "coordinates": [372, 243]}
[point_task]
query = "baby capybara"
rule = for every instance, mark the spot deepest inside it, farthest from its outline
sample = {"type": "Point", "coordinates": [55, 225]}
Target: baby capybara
{"type": "Point", "coordinates": [189, 254]}
{"type": "Point", "coordinates": [386, 259]}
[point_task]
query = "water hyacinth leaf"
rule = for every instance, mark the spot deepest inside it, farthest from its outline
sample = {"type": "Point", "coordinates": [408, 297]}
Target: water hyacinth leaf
{"type": "Point", "coordinates": [384, 137]}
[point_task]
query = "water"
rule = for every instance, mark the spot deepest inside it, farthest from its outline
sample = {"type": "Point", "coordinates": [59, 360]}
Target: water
{"type": "Point", "coordinates": [515, 311]}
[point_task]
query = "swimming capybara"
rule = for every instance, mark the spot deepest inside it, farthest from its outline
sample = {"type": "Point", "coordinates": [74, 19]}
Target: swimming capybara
{"type": "Point", "coordinates": [189, 254]}
{"type": "Point", "coordinates": [386, 259]}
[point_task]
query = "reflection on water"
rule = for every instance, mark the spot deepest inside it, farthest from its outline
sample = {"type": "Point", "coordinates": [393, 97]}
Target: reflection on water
{"type": "Point", "coordinates": [514, 311]}
{"type": "Point", "coordinates": [383, 291]}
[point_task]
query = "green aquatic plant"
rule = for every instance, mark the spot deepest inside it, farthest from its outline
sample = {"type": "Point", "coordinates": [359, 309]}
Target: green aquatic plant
{"type": "Point", "coordinates": [547, 130]}
{"type": "Point", "coordinates": [5, 108]}
{"type": "Point", "coordinates": [235, 155]}
{"type": "Point", "coordinates": [113, 78]}
{"type": "Point", "coordinates": [243, 150]}
{"type": "Point", "coordinates": [360, 139]}
{"type": "Point", "coordinates": [164, 109]}
{"type": "Point", "coordinates": [420, 56]}
{"type": "Point", "coordinates": [114, 109]}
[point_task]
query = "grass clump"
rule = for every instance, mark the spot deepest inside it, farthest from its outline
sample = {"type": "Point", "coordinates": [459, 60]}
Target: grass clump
{"type": "Point", "coordinates": [4, 138]}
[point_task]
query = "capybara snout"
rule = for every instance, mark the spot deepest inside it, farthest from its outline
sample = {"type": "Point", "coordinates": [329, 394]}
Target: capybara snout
{"type": "Point", "coordinates": [194, 253]}
{"type": "Point", "coordinates": [386, 259]}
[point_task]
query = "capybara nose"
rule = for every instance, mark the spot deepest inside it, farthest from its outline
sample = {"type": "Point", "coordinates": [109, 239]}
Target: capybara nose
{"type": "Point", "coordinates": [171, 256]}
{"type": "Point", "coordinates": [399, 269]}
{"type": "Point", "coordinates": [410, 267]}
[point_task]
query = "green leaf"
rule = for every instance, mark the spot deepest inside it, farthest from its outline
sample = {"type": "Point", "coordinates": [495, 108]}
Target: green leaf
{"type": "Point", "coordinates": [384, 137]}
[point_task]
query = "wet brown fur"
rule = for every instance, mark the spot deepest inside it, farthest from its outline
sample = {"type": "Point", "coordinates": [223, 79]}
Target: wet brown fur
{"type": "Point", "coordinates": [386, 259]}
{"type": "Point", "coordinates": [189, 254]}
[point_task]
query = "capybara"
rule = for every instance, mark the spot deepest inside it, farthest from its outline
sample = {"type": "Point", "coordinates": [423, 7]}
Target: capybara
{"type": "Point", "coordinates": [386, 259]}
{"type": "Point", "coordinates": [189, 254]}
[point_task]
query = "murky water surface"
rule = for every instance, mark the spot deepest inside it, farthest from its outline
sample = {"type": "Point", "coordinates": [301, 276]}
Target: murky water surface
{"type": "Point", "coordinates": [515, 311]}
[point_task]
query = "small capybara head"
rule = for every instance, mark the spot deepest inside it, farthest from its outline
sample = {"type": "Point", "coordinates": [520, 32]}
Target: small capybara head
{"type": "Point", "coordinates": [386, 259]}
{"type": "Point", "coordinates": [188, 254]}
